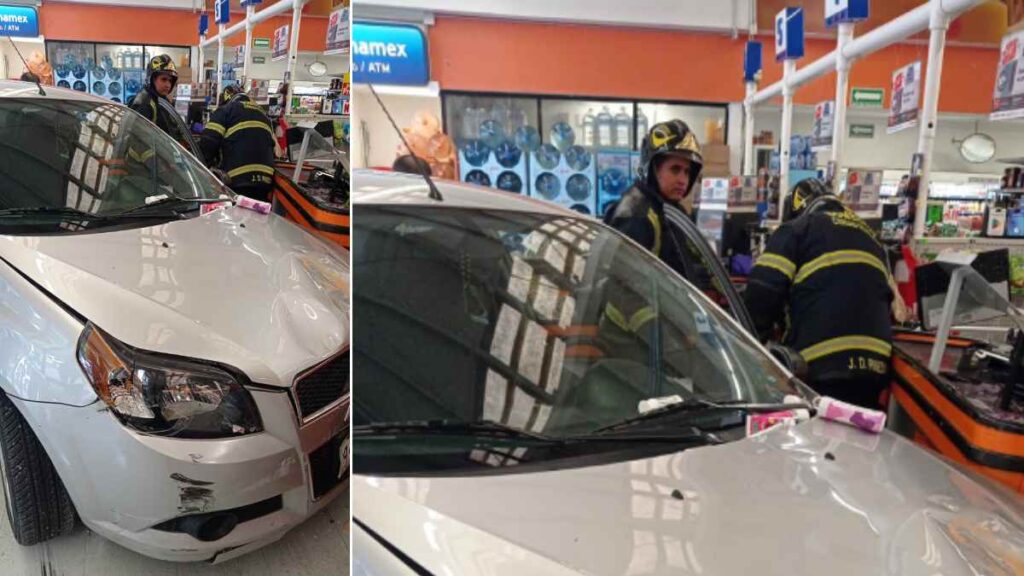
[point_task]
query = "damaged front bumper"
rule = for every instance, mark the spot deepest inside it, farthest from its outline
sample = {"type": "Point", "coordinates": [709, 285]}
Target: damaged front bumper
{"type": "Point", "coordinates": [196, 500]}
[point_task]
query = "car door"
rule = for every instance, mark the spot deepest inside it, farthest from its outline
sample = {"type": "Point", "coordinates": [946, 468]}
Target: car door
{"type": "Point", "coordinates": [179, 130]}
{"type": "Point", "coordinates": [703, 267]}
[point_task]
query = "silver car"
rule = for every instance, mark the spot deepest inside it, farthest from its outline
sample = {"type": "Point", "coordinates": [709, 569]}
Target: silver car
{"type": "Point", "coordinates": [536, 394]}
{"type": "Point", "coordinates": [174, 368]}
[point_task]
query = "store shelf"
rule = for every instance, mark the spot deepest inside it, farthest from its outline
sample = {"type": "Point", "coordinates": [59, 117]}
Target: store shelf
{"type": "Point", "coordinates": [311, 116]}
{"type": "Point", "coordinates": [1010, 190]}
{"type": "Point", "coordinates": [980, 240]}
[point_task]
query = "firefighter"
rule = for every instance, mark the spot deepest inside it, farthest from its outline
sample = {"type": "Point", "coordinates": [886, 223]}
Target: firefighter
{"type": "Point", "coordinates": [824, 282]}
{"type": "Point", "coordinates": [241, 137]}
{"type": "Point", "coordinates": [160, 83]}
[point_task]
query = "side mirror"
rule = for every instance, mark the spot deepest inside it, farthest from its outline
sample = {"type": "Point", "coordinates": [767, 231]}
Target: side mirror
{"type": "Point", "coordinates": [791, 359]}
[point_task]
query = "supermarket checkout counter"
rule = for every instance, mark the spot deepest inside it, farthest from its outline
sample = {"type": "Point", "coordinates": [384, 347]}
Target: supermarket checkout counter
{"type": "Point", "coordinates": [964, 397]}
{"type": "Point", "coordinates": [311, 187]}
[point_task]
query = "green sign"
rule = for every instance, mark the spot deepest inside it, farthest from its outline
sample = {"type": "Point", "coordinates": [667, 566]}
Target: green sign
{"type": "Point", "coordinates": [259, 59]}
{"type": "Point", "coordinates": [261, 42]}
{"type": "Point", "coordinates": [868, 97]}
{"type": "Point", "coordinates": [862, 130]}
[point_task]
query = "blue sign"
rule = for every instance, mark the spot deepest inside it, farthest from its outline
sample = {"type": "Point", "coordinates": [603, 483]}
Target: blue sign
{"type": "Point", "coordinates": [389, 54]}
{"type": "Point", "coordinates": [19, 21]}
{"type": "Point", "coordinates": [752, 61]}
{"type": "Point", "coordinates": [789, 34]}
{"type": "Point", "coordinates": [843, 11]}
{"type": "Point", "coordinates": [204, 24]}
{"type": "Point", "coordinates": [222, 11]}
{"type": "Point", "coordinates": [245, 3]}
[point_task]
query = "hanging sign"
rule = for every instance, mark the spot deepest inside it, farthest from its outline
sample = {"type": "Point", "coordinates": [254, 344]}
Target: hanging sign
{"type": "Point", "coordinates": [868, 97]}
{"type": "Point", "coordinates": [845, 11]}
{"type": "Point", "coordinates": [337, 32]}
{"type": "Point", "coordinates": [389, 54]}
{"type": "Point", "coordinates": [752, 62]}
{"type": "Point", "coordinates": [222, 11]}
{"type": "Point", "coordinates": [281, 41]}
{"type": "Point", "coordinates": [906, 96]}
{"type": "Point", "coordinates": [204, 23]}
{"type": "Point", "coordinates": [789, 34]}
{"type": "Point", "coordinates": [824, 121]}
{"type": "Point", "coordinates": [863, 188]}
{"type": "Point", "coordinates": [1008, 96]}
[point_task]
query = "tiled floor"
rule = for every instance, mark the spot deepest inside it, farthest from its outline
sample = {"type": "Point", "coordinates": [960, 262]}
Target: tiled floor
{"type": "Point", "coordinates": [320, 547]}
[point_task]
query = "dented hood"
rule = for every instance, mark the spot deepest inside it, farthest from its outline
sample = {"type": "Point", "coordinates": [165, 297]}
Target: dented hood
{"type": "Point", "coordinates": [820, 498]}
{"type": "Point", "coordinates": [252, 291]}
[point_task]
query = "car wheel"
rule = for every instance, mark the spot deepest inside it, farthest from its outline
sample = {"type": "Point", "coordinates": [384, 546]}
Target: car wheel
{"type": "Point", "coordinates": [38, 505]}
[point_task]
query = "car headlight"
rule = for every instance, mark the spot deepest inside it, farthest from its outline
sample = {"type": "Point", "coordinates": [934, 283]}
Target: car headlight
{"type": "Point", "coordinates": [165, 395]}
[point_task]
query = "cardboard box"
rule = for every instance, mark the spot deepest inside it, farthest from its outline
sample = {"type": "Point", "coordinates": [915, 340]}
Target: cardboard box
{"type": "Point", "coordinates": [715, 154]}
{"type": "Point", "coordinates": [716, 170]}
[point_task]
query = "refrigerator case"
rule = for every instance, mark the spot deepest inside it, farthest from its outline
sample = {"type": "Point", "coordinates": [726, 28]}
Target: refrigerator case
{"type": "Point", "coordinates": [503, 167]}
{"type": "Point", "coordinates": [565, 179]}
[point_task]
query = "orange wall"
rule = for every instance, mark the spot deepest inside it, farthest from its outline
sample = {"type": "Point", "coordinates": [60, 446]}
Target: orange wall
{"type": "Point", "coordinates": [505, 56]}
{"type": "Point", "coordinates": [119, 24]}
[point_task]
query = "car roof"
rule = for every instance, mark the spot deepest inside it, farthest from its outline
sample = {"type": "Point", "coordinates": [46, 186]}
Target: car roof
{"type": "Point", "coordinates": [379, 187]}
{"type": "Point", "coordinates": [17, 89]}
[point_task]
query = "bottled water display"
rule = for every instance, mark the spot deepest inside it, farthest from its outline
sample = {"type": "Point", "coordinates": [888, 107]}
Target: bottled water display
{"type": "Point", "coordinates": [478, 177]}
{"type": "Point", "coordinates": [492, 133]}
{"type": "Point", "coordinates": [642, 126]}
{"type": "Point", "coordinates": [527, 138]}
{"type": "Point", "coordinates": [548, 185]}
{"type": "Point", "coordinates": [562, 136]}
{"type": "Point", "coordinates": [623, 126]}
{"type": "Point", "coordinates": [605, 137]}
{"type": "Point", "coordinates": [508, 154]}
{"type": "Point", "coordinates": [476, 152]}
{"type": "Point", "coordinates": [578, 187]}
{"type": "Point", "coordinates": [578, 158]}
{"type": "Point", "coordinates": [548, 156]}
{"type": "Point", "coordinates": [588, 128]}
{"type": "Point", "coordinates": [510, 182]}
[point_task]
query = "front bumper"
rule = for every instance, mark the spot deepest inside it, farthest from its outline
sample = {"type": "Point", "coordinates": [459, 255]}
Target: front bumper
{"type": "Point", "coordinates": [129, 487]}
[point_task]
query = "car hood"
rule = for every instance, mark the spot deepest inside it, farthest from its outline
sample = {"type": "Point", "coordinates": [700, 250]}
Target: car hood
{"type": "Point", "coordinates": [252, 291]}
{"type": "Point", "coordinates": [819, 498]}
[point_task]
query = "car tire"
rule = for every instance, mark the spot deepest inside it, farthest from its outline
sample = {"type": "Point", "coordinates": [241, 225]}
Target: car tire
{"type": "Point", "coordinates": [38, 505]}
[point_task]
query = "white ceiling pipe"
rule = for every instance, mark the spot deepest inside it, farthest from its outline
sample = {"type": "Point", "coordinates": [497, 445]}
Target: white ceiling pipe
{"type": "Point", "coordinates": [265, 14]}
{"type": "Point", "coordinates": [895, 30]}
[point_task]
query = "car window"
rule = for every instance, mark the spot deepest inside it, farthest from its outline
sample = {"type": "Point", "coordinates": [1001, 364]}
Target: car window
{"type": "Point", "coordinates": [548, 324]}
{"type": "Point", "coordinates": [94, 157]}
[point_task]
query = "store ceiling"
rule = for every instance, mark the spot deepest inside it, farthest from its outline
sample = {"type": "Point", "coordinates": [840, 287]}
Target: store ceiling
{"type": "Point", "coordinates": [986, 24]}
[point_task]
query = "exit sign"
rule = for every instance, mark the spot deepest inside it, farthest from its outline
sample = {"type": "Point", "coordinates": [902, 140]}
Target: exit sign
{"type": "Point", "coordinates": [261, 42]}
{"type": "Point", "coordinates": [862, 130]}
{"type": "Point", "coordinates": [868, 97]}
{"type": "Point", "coordinates": [259, 59]}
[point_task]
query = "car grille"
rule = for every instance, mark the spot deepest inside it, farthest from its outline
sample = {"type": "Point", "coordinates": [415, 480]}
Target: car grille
{"type": "Point", "coordinates": [326, 467]}
{"type": "Point", "coordinates": [322, 385]}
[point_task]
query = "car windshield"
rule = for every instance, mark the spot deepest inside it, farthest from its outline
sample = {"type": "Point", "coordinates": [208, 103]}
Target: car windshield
{"type": "Point", "coordinates": [543, 324]}
{"type": "Point", "coordinates": [73, 166]}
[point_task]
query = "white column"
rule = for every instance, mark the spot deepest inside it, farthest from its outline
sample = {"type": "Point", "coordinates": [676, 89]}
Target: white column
{"type": "Point", "coordinates": [250, 11]}
{"type": "Point", "coordinates": [748, 131]}
{"type": "Point", "coordinates": [220, 66]}
{"type": "Point", "coordinates": [789, 68]}
{"type": "Point", "coordinates": [202, 58]}
{"type": "Point", "coordinates": [938, 25]}
{"type": "Point", "coordinates": [842, 89]}
{"type": "Point", "coordinates": [293, 53]}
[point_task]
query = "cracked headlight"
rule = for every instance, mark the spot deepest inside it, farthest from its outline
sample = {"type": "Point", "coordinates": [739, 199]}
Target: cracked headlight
{"type": "Point", "coordinates": [165, 395]}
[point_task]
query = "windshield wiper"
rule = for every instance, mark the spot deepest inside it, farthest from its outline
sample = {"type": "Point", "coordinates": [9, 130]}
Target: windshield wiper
{"type": "Point", "coordinates": [487, 428]}
{"type": "Point", "coordinates": [70, 213]}
{"type": "Point", "coordinates": [169, 201]}
{"type": "Point", "coordinates": [481, 428]}
{"type": "Point", "coordinates": [700, 406]}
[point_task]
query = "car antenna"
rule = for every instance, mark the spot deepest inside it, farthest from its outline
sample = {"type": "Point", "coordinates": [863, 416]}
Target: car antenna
{"type": "Point", "coordinates": [435, 194]}
{"type": "Point", "coordinates": [38, 84]}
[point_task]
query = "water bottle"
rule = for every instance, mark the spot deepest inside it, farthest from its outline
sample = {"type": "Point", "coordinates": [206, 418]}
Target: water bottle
{"type": "Point", "coordinates": [642, 126]}
{"type": "Point", "coordinates": [604, 124]}
{"type": "Point", "coordinates": [623, 126]}
{"type": "Point", "coordinates": [588, 128]}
